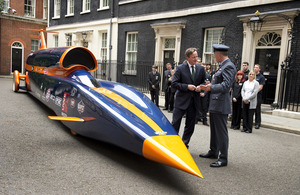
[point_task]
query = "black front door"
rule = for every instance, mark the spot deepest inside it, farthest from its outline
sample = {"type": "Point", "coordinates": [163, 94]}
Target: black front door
{"type": "Point", "coordinates": [268, 59]}
{"type": "Point", "coordinates": [168, 58]}
{"type": "Point", "coordinates": [16, 59]}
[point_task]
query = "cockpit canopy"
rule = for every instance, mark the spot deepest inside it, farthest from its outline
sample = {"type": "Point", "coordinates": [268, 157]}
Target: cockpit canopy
{"type": "Point", "coordinates": [63, 57]}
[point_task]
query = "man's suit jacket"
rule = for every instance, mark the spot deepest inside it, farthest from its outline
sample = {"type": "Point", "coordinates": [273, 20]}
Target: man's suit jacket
{"type": "Point", "coordinates": [154, 79]}
{"type": "Point", "coordinates": [221, 82]}
{"type": "Point", "coordinates": [167, 75]}
{"type": "Point", "coordinates": [180, 81]}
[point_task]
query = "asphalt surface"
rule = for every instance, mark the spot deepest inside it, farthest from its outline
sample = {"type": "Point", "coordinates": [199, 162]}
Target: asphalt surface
{"type": "Point", "coordinates": [40, 156]}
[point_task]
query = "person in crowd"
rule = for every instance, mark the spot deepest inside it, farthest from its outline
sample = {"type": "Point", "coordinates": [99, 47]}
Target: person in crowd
{"type": "Point", "coordinates": [261, 80]}
{"type": "Point", "coordinates": [219, 106]}
{"type": "Point", "coordinates": [237, 100]}
{"type": "Point", "coordinates": [209, 69]}
{"type": "Point", "coordinates": [186, 80]}
{"type": "Point", "coordinates": [245, 67]}
{"type": "Point", "coordinates": [172, 93]}
{"type": "Point", "coordinates": [249, 95]}
{"type": "Point", "coordinates": [204, 102]}
{"type": "Point", "coordinates": [154, 80]}
{"type": "Point", "coordinates": [199, 61]}
{"type": "Point", "coordinates": [167, 84]}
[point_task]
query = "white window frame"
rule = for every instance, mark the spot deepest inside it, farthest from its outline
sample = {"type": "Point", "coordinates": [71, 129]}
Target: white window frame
{"type": "Point", "coordinates": [32, 14]}
{"type": "Point", "coordinates": [69, 40]}
{"type": "Point", "coordinates": [70, 8]}
{"type": "Point", "coordinates": [214, 40]}
{"type": "Point", "coordinates": [56, 9]}
{"type": "Point", "coordinates": [34, 45]}
{"type": "Point", "coordinates": [104, 44]}
{"type": "Point", "coordinates": [5, 6]}
{"type": "Point", "coordinates": [55, 40]}
{"type": "Point", "coordinates": [86, 6]}
{"type": "Point", "coordinates": [45, 9]}
{"type": "Point", "coordinates": [103, 7]}
{"type": "Point", "coordinates": [130, 65]}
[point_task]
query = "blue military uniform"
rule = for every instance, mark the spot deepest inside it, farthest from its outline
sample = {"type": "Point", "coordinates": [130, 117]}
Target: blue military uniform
{"type": "Point", "coordinates": [219, 108]}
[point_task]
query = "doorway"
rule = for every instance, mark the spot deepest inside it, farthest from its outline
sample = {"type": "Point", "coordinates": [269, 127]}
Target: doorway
{"type": "Point", "coordinates": [16, 57]}
{"type": "Point", "coordinates": [169, 58]}
{"type": "Point", "coordinates": [268, 59]}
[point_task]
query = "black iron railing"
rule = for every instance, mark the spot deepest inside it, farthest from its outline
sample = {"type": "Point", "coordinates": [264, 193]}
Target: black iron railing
{"type": "Point", "coordinates": [289, 90]}
{"type": "Point", "coordinates": [133, 74]}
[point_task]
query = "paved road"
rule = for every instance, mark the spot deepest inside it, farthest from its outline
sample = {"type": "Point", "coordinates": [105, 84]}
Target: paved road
{"type": "Point", "coordinates": [40, 156]}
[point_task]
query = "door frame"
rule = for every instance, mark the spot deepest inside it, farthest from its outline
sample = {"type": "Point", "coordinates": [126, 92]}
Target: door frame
{"type": "Point", "coordinates": [278, 25]}
{"type": "Point", "coordinates": [164, 31]}
{"type": "Point", "coordinates": [11, 55]}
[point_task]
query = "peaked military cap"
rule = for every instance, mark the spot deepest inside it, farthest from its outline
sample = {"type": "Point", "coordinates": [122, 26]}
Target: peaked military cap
{"type": "Point", "coordinates": [218, 47]}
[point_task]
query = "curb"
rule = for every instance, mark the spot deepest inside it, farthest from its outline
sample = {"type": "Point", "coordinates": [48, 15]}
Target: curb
{"type": "Point", "coordinates": [283, 129]}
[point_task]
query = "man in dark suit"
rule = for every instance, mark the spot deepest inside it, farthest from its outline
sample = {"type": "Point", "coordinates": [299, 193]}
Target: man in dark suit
{"type": "Point", "coordinates": [154, 80]}
{"type": "Point", "coordinates": [261, 80]}
{"type": "Point", "coordinates": [219, 106]}
{"type": "Point", "coordinates": [166, 85]}
{"type": "Point", "coordinates": [186, 80]}
{"type": "Point", "coordinates": [204, 102]}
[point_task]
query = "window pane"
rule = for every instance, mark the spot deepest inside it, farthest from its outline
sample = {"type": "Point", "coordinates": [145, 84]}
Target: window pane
{"type": "Point", "coordinates": [169, 43]}
{"type": "Point", "coordinates": [55, 41]}
{"type": "Point", "coordinates": [34, 45]}
{"type": "Point", "coordinates": [131, 53]}
{"type": "Point", "coordinates": [57, 8]}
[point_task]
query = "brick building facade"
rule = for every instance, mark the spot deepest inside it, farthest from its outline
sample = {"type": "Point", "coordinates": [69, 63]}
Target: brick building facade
{"type": "Point", "coordinates": [15, 42]}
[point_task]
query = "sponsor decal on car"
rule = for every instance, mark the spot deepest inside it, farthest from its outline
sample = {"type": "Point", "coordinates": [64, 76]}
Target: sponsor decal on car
{"type": "Point", "coordinates": [64, 107]}
{"type": "Point", "coordinates": [58, 101]}
{"type": "Point", "coordinates": [48, 95]}
{"type": "Point", "coordinates": [72, 103]}
{"type": "Point", "coordinates": [80, 107]}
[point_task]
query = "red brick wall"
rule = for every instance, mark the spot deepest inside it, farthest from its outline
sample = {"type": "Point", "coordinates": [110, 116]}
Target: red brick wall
{"type": "Point", "coordinates": [10, 31]}
{"type": "Point", "coordinates": [19, 6]}
{"type": "Point", "coordinates": [13, 32]}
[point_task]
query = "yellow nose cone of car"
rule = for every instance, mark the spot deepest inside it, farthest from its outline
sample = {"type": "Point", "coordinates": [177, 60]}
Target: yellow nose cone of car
{"type": "Point", "coordinates": [170, 150]}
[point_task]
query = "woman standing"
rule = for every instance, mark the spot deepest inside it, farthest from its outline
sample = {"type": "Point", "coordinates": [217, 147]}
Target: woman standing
{"type": "Point", "coordinates": [249, 95]}
{"type": "Point", "coordinates": [237, 100]}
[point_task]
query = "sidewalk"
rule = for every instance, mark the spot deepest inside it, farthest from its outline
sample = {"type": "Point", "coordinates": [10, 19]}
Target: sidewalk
{"type": "Point", "coordinates": [269, 120]}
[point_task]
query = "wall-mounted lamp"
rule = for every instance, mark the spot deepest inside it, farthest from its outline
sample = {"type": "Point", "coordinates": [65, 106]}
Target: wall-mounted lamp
{"type": "Point", "coordinates": [68, 36]}
{"type": "Point", "coordinates": [255, 23]}
{"type": "Point", "coordinates": [84, 36]}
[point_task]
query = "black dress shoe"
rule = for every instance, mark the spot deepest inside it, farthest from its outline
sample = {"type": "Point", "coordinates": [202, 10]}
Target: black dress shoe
{"type": "Point", "coordinates": [208, 155]}
{"type": "Point", "coordinates": [218, 164]}
{"type": "Point", "coordinates": [165, 109]}
{"type": "Point", "coordinates": [256, 126]}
